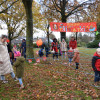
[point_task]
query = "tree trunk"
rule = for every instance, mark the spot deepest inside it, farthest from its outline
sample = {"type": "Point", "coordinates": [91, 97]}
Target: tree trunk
{"type": "Point", "coordinates": [76, 35]}
{"type": "Point", "coordinates": [63, 34]}
{"type": "Point", "coordinates": [48, 34]}
{"type": "Point", "coordinates": [29, 30]}
{"type": "Point", "coordinates": [9, 36]}
{"type": "Point", "coordinates": [63, 19]}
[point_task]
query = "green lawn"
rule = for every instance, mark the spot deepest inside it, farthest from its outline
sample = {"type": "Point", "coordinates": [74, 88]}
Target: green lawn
{"type": "Point", "coordinates": [54, 81]}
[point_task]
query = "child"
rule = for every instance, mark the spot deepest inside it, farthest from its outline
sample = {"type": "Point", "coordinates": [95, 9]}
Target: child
{"type": "Point", "coordinates": [16, 53]}
{"type": "Point", "coordinates": [70, 54]}
{"type": "Point", "coordinates": [41, 52]}
{"type": "Point", "coordinates": [63, 48]}
{"type": "Point", "coordinates": [96, 65]}
{"type": "Point", "coordinates": [76, 57]}
{"type": "Point", "coordinates": [55, 48]}
{"type": "Point", "coordinates": [19, 64]}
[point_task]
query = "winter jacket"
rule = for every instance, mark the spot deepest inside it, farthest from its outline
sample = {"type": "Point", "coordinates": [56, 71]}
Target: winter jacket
{"type": "Point", "coordinates": [41, 52]}
{"type": "Point", "coordinates": [70, 54]}
{"type": "Point", "coordinates": [44, 45]}
{"type": "Point", "coordinates": [9, 48]}
{"type": "Point", "coordinates": [96, 62]}
{"type": "Point", "coordinates": [73, 44]}
{"type": "Point", "coordinates": [76, 57]}
{"type": "Point", "coordinates": [63, 46]}
{"type": "Point", "coordinates": [23, 46]}
{"type": "Point", "coordinates": [19, 64]}
{"type": "Point", "coordinates": [6, 67]}
{"type": "Point", "coordinates": [55, 46]}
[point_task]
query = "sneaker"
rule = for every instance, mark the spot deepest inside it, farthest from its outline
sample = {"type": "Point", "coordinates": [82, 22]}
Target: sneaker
{"type": "Point", "coordinates": [58, 59]}
{"type": "Point", "coordinates": [15, 79]}
{"type": "Point", "coordinates": [54, 59]}
{"type": "Point", "coordinates": [22, 86]}
{"type": "Point", "coordinates": [4, 81]}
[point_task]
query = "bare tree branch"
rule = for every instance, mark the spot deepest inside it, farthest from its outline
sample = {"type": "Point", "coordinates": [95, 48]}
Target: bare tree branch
{"type": "Point", "coordinates": [75, 8]}
{"type": "Point", "coordinates": [3, 11]}
{"type": "Point", "coordinates": [2, 2]}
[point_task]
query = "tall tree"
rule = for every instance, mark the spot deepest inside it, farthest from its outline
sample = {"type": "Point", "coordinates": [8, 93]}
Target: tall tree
{"type": "Point", "coordinates": [66, 8]}
{"type": "Point", "coordinates": [14, 20]}
{"type": "Point", "coordinates": [29, 30]}
{"type": "Point", "coordinates": [3, 2]}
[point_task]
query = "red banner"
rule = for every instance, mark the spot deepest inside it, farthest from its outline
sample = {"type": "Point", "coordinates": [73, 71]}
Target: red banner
{"type": "Point", "coordinates": [73, 27]}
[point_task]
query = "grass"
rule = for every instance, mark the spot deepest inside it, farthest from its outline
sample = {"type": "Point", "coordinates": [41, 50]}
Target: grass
{"type": "Point", "coordinates": [54, 81]}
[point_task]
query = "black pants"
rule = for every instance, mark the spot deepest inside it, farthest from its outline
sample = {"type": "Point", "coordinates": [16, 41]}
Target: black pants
{"type": "Point", "coordinates": [55, 54]}
{"type": "Point", "coordinates": [77, 65]}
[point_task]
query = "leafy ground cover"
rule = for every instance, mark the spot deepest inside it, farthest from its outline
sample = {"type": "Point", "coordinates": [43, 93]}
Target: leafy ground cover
{"type": "Point", "coordinates": [54, 80]}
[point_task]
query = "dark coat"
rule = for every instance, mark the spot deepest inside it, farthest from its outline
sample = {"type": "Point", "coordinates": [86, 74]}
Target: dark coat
{"type": "Point", "coordinates": [96, 62]}
{"type": "Point", "coordinates": [19, 64]}
{"type": "Point", "coordinates": [23, 46]}
{"type": "Point", "coordinates": [41, 52]}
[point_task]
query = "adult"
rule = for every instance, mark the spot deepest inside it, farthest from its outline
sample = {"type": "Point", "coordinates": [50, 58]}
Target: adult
{"type": "Point", "coordinates": [63, 47]}
{"type": "Point", "coordinates": [72, 43]}
{"type": "Point", "coordinates": [55, 48]}
{"type": "Point", "coordinates": [10, 52]}
{"type": "Point", "coordinates": [5, 64]}
{"type": "Point", "coordinates": [45, 45]}
{"type": "Point", "coordinates": [23, 47]}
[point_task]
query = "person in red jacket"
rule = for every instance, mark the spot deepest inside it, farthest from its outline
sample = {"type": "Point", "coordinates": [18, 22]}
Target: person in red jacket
{"type": "Point", "coordinates": [55, 48]}
{"type": "Point", "coordinates": [72, 43]}
{"type": "Point", "coordinates": [96, 65]}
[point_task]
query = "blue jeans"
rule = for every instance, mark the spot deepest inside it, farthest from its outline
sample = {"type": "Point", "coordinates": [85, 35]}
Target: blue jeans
{"type": "Point", "coordinates": [70, 60]}
{"type": "Point", "coordinates": [20, 81]}
{"type": "Point", "coordinates": [63, 55]}
{"type": "Point", "coordinates": [97, 76]}
{"type": "Point", "coordinates": [12, 75]}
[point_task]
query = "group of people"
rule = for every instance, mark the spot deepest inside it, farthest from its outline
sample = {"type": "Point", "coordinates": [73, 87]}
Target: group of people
{"type": "Point", "coordinates": [72, 52]}
{"type": "Point", "coordinates": [6, 55]}
{"type": "Point", "coordinates": [61, 49]}
{"type": "Point", "coordinates": [15, 51]}
{"type": "Point", "coordinates": [73, 55]}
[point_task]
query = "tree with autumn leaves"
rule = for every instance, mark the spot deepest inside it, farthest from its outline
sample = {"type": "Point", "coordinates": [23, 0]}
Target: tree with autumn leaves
{"type": "Point", "coordinates": [15, 19]}
{"type": "Point", "coordinates": [56, 9]}
{"type": "Point", "coordinates": [3, 8]}
{"type": "Point", "coordinates": [66, 8]}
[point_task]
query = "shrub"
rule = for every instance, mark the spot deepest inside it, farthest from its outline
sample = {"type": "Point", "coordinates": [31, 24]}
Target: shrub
{"type": "Point", "coordinates": [93, 44]}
